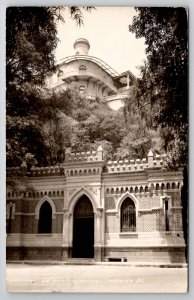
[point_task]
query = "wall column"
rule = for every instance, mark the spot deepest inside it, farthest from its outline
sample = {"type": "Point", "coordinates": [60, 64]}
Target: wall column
{"type": "Point", "coordinates": [98, 235]}
{"type": "Point", "coordinates": [66, 235]}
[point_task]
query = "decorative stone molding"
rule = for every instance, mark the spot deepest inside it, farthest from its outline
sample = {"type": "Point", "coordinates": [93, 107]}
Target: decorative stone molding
{"type": "Point", "coordinates": [84, 171]}
{"type": "Point", "coordinates": [162, 200]}
{"type": "Point", "coordinates": [79, 193]}
{"type": "Point", "coordinates": [38, 206]}
{"type": "Point", "coordinates": [99, 212]}
{"type": "Point", "coordinates": [142, 188]}
{"type": "Point", "coordinates": [72, 191]}
{"type": "Point", "coordinates": [123, 197]}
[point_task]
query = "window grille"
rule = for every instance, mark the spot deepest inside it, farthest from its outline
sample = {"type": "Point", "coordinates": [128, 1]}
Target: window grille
{"type": "Point", "coordinates": [128, 216]}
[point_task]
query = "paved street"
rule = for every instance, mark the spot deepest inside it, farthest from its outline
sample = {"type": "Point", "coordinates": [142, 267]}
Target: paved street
{"type": "Point", "coordinates": [95, 278]}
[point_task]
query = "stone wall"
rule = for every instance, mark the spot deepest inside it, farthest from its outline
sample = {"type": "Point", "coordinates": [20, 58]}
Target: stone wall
{"type": "Point", "coordinates": [106, 186]}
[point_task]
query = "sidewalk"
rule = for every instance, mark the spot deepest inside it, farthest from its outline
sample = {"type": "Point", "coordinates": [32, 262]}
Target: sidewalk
{"type": "Point", "coordinates": [92, 262]}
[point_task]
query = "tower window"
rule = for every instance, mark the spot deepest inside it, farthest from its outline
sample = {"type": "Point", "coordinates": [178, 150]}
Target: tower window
{"type": "Point", "coordinates": [83, 68]}
{"type": "Point", "coordinates": [82, 90]}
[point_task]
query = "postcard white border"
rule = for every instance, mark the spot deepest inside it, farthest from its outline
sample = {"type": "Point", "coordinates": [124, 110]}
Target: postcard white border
{"type": "Point", "coordinates": [146, 3]}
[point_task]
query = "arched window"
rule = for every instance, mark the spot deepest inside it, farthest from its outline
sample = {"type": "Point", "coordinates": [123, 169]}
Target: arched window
{"type": "Point", "coordinates": [10, 214]}
{"type": "Point", "coordinates": [166, 213]}
{"type": "Point", "coordinates": [128, 216]}
{"type": "Point", "coordinates": [173, 186]}
{"type": "Point", "coordinates": [82, 90]}
{"type": "Point", "coordinates": [45, 218]}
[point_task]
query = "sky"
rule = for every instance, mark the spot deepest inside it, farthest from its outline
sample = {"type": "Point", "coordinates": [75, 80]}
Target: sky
{"type": "Point", "coordinates": [106, 29]}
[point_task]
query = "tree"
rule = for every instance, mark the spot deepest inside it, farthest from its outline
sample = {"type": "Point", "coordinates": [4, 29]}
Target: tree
{"type": "Point", "coordinates": [96, 124]}
{"type": "Point", "coordinates": [164, 82]}
{"type": "Point", "coordinates": [31, 39]}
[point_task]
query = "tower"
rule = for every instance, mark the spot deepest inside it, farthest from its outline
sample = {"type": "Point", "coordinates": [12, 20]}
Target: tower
{"type": "Point", "coordinates": [81, 46]}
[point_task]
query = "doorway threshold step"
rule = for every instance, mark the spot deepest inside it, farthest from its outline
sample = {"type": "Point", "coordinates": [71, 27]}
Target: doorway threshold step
{"type": "Point", "coordinates": [80, 261]}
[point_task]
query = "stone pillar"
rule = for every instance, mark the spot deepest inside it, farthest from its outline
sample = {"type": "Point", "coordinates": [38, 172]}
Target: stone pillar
{"type": "Point", "coordinates": [98, 236]}
{"type": "Point", "coordinates": [150, 158]}
{"type": "Point", "coordinates": [67, 154]}
{"type": "Point", "coordinates": [23, 168]}
{"type": "Point", "coordinates": [102, 220]}
{"type": "Point", "coordinates": [100, 153]}
{"type": "Point", "coordinates": [66, 217]}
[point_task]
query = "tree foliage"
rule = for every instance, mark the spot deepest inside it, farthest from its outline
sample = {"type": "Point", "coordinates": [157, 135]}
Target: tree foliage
{"type": "Point", "coordinates": [41, 124]}
{"type": "Point", "coordinates": [31, 39]}
{"type": "Point", "coordinates": [163, 88]}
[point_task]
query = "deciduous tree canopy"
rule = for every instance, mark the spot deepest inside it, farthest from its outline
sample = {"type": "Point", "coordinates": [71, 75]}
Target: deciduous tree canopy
{"type": "Point", "coordinates": [163, 89]}
{"type": "Point", "coordinates": [31, 38]}
{"type": "Point", "coordinates": [41, 124]}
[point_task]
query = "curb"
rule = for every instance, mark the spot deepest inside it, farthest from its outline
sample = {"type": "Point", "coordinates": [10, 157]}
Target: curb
{"type": "Point", "coordinates": [84, 263]}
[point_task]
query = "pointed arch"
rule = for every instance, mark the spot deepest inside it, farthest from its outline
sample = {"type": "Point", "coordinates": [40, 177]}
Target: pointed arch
{"type": "Point", "coordinates": [128, 216]}
{"type": "Point", "coordinates": [127, 208]}
{"type": "Point", "coordinates": [45, 218]}
{"type": "Point", "coordinates": [83, 191]}
{"type": "Point", "coordinates": [38, 206]}
{"type": "Point", "coordinates": [123, 197]}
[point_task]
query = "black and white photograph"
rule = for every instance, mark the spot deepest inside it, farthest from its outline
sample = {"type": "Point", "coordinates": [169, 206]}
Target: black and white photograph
{"type": "Point", "coordinates": [97, 149]}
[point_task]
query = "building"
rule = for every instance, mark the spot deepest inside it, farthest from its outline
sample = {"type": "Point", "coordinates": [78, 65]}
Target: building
{"type": "Point", "coordinates": [88, 207]}
{"type": "Point", "coordinates": [128, 210]}
{"type": "Point", "coordinates": [94, 78]}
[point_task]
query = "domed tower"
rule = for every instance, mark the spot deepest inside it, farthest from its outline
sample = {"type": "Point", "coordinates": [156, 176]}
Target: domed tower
{"type": "Point", "coordinates": [94, 78]}
{"type": "Point", "coordinates": [81, 46]}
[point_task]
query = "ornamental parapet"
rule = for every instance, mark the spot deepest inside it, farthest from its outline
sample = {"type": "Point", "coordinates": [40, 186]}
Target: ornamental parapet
{"type": "Point", "coordinates": [36, 171]}
{"type": "Point", "coordinates": [89, 156]}
{"type": "Point", "coordinates": [69, 167]}
{"type": "Point", "coordinates": [47, 171]}
{"type": "Point", "coordinates": [152, 161]}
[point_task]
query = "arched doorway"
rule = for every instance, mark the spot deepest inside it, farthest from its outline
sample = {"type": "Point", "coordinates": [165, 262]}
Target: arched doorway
{"type": "Point", "coordinates": [45, 218]}
{"type": "Point", "coordinates": [83, 229]}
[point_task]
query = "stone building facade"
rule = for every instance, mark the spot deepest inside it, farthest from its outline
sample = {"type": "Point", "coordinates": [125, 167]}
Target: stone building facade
{"type": "Point", "coordinates": [89, 208]}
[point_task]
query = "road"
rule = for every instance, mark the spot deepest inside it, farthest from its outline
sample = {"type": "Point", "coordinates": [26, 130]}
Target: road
{"type": "Point", "coordinates": [95, 279]}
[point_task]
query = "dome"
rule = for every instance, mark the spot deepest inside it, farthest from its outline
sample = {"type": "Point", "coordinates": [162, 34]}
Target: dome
{"type": "Point", "coordinates": [81, 46]}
